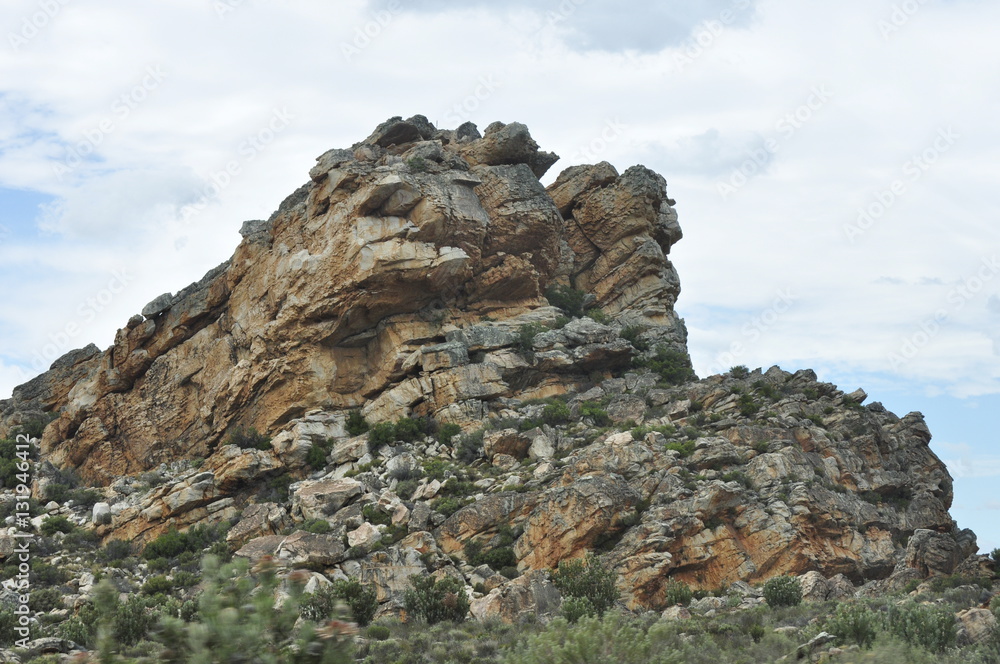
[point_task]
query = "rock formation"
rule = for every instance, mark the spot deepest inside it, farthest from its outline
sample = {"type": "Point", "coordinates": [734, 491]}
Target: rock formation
{"type": "Point", "coordinates": [428, 275]}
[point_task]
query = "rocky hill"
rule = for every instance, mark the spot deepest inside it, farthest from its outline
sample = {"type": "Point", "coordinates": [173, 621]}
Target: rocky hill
{"type": "Point", "coordinates": [425, 361]}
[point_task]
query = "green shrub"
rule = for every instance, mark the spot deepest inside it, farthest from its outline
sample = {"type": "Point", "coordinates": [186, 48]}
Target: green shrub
{"type": "Point", "coordinates": [613, 639]}
{"type": "Point", "coordinates": [157, 584]}
{"type": "Point", "coordinates": [598, 316]}
{"type": "Point", "coordinates": [56, 491]}
{"type": "Point", "coordinates": [416, 164]}
{"type": "Point", "coordinates": [526, 336]}
{"type": "Point", "coordinates": [240, 622]}
{"type": "Point", "coordinates": [362, 600]}
{"type": "Point", "coordinates": [45, 599]}
{"type": "Point", "coordinates": [930, 627]}
{"type": "Point", "coordinates": [685, 448]}
{"type": "Point", "coordinates": [497, 558]}
{"type": "Point", "coordinates": [356, 423]}
{"type": "Point", "coordinates": [569, 299]}
{"type": "Point", "coordinates": [631, 335]}
{"type": "Point", "coordinates": [995, 555]}
{"type": "Point", "coordinates": [409, 430]}
{"type": "Point", "coordinates": [470, 446]}
{"type": "Point", "coordinates": [587, 578]}
{"type": "Point", "coordinates": [435, 601]}
{"type": "Point", "coordinates": [57, 524]}
{"type": "Point", "coordinates": [677, 592]}
{"type": "Point", "coordinates": [378, 632]}
{"type": "Point", "coordinates": [747, 405]}
{"type": "Point", "coordinates": [574, 608]}
{"type": "Point", "coordinates": [594, 411]}
{"type": "Point", "coordinates": [172, 543]}
{"type": "Point", "coordinates": [783, 591]}
{"type": "Point", "coordinates": [995, 606]}
{"type": "Point", "coordinates": [375, 516]}
{"type": "Point", "coordinates": [249, 439]}
{"type": "Point", "coordinates": [448, 431]}
{"type": "Point", "coordinates": [673, 366]}
{"type": "Point", "coordinates": [8, 621]}
{"type": "Point", "coordinates": [855, 623]}
{"type": "Point", "coordinates": [739, 371]}
{"type": "Point", "coordinates": [168, 545]}
{"type": "Point", "coordinates": [316, 526]}
{"type": "Point", "coordinates": [405, 488]}
{"type": "Point", "coordinates": [556, 413]}
{"type": "Point", "coordinates": [383, 433]}
{"type": "Point", "coordinates": [316, 457]}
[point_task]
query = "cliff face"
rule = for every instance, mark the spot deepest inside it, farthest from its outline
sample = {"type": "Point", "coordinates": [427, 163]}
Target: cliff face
{"type": "Point", "coordinates": [393, 247]}
{"type": "Point", "coordinates": [408, 278]}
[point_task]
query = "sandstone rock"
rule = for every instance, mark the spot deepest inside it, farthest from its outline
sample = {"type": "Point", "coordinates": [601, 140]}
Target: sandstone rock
{"type": "Point", "coordinates": [364, 535]}
{"type": "Point", "coordinates": [975, 626]}
{"type": "Point", "coordinates": [299, 548]}
{"type": "Point", "coordinates": [676, 613]}
{"type": "Point", "coordinates": [258, 520]}
{"type": "Point", "coordinates": [529, 594]}
{"type": "Point", "coordinates": [315, 499]}
{"type": "Point", "coordinates": [506, 441]}
{"type": "Point", "coordinates": [101, 514]}
{"type": "Point", "coordinates": [934, 553]}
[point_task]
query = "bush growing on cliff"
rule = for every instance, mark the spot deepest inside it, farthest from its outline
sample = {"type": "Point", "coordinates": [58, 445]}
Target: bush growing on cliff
{"type": "Point", "coordinates": [249, 439]}
{"type": "Point", "coordinates": [856, 623]}
{"type": "Point", "coordinates": [782, 591]}
{"type": "Point", "coordinates": [673, 366]}
{"type": "Point", "coordinates": [434, 601]}
{"type": "Point", "coordinates": [356, 423]}
{"type": "Point", "coordinates": [567, 298]}
{"type": "Point", "coordinates": [586, 579]}
{"type": "Point", "coordinates": [930, 627]}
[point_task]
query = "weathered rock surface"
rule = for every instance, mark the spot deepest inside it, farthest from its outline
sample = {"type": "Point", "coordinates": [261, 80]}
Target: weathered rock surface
{"type": "Point", "coordinates": [408, 278]}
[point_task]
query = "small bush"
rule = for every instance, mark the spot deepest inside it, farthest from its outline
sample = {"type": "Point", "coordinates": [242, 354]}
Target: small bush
{"type": "Point", "coordinates": [569, 299]}
{"type": "Point", "coordinates": [594, 411]}
{"type": "Point", "coordinates": [677, 592]}
{"type": "Point", "coordinates": [356, 423]}
{"type": "Point", "coordinates": [995, 606]}
{"type": "Point", "coordinates": [383, 433]}
{"type": "Point", "coordinates": [448, 505]}
{"type": "Point", "coordinates": [375, 516]}
{"type": "Point", "coordinates": [378, 632]}
{"type": "Point", "coordinates": [930, 627]}
{"type": "Point", "coordinates": [405, 488]}
{"type": "Point", "coordinates": [435, 601]}
{"type": "Point", "coordinates": [855, 623]}
{"type": "Point", "coordinates": [249, 439]}
{"type": "Point", "coordinates": [57, 524]}
{"type": "Point", "coordinates": [574, 608]}
{"type": "Point", "coordinates": [447, 432]}
{"type": "Point", "coordinates": [747, 405]}
{"type": "Point", "coordinates": [45, 599]}
{"type": "Point", "coordinates": [783, 591]}
{"type": "Point", "coordinates": [316, 526]}
{"type": "Point", "coordinates": [470, 446]}
{"type": "Point", "coordinates": [168, 545]}
{"type": "Point", "coordinates": [587, 578]}
{"type": "Point", "coordinates": [409, 430]}
{"type": "Point", "coordinates": [362, 600]}
{"type": "Point", "coordinates": [673, 366]}
{"type": "Point", "coordinates": [556, 413]}
{"type": "Point", "coordinates": [631, 335]}
{"type": "Point", "coordinates": [739, 371]}
{"type": "Point", "coordinates": [316, 457]}
{"type": "Point", "coordinates": [526, 337]}
{"type": "Point", "coordinates": [157, 584]}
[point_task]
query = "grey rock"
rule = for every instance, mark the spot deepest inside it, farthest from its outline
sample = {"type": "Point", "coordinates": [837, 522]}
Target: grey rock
{"type": "Point", "coordinates": [158, 305]}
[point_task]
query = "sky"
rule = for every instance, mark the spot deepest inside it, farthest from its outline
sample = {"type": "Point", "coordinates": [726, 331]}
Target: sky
{"type": "Point", "coordinates": [834, 164]}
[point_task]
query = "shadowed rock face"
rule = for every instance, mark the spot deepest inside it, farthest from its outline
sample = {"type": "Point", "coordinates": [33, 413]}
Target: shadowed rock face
{"type": "Point", "coordinates": [395, 246]}
{"type": "Point", "coordinates": [408, 278]}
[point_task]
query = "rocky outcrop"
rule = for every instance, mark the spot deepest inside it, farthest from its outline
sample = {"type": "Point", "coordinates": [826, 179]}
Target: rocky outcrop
{"type": "Point", "coordinates": [370, 286]}
{"type": "Point", "coordinates": [428, 274]}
